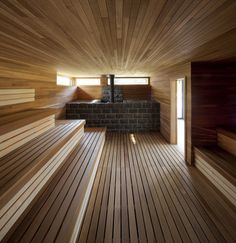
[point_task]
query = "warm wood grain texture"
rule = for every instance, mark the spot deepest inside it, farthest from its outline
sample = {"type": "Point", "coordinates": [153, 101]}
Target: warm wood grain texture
{"type": "Point", "coordinates": [144, 192]}
{"type": "Point", "coordinates": [16, 96]}
{"type": "Point", "coordinates": [213, 100]}
{"type": "Point", "coordinates": [227, 140]}
{"type": "Point", "coordinates": [129, 37]}
{"type": "Point", "coordinates": [161, 91]}
{"type": "Point", "coordinates": [15, 139]}
{"type": "Point", "coordinates": [122, 37]}
{"type": "Point", "coordinates": [130, 92]}
{"type": "Point", "coordinates": [13, 122]}
{"type": "Point", "coordinates": [47, 93]}
{"type": "Point", "coordinates": [58, 212]}
{"type": "Point", "coordinates": [27, 170]}
{"type": "Point", "coordinates": [220, 168]}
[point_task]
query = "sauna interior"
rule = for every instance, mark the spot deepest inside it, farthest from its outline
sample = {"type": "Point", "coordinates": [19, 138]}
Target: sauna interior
{"type": "Point", "coordinates": [117, 121]}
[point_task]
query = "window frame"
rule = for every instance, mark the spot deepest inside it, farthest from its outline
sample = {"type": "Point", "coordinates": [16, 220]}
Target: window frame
{"type": "Point", "coordinates": [148, 80]}
{"type": "Point", "coordinates": [84, 78]}
{"type": "Point", "coordinates": [65, 85]}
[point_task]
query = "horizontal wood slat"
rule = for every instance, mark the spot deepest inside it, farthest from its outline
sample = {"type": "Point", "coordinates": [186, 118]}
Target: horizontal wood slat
{"type": "Point", "coordinates": [18, 140]}
{"type": "Point", "coordinates": [220, 168]}
{"type": "Point", "coordinates": [130, 92]}
{"type": "Point", "coordinates": [47, 93]}
{"type": "Point", "coordinates": [27, 170]}
{"type": "Point", "coordinates": [12, 123]}
{"type": "Point", "coordinates": [57, 214]}
{"type": "Point", "coordinates": [18, 129]}
{"type": "Point", "coordinates": [227, 140]}
{"type": "Point", "coordinates": [16, 91]}
{"type": "Point", "coordinates": [16, 96]}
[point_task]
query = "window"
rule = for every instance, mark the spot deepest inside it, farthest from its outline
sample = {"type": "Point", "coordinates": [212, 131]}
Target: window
{"type": "Point", "coordinates": [130, 81]}
{"type": "Point", "coordinates": [65, 81]}
{"type": "Point", "coordinates": [88, 81]}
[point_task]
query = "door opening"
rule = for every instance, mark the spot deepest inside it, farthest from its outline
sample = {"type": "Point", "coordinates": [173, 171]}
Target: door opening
{"type": "Point", "coordinates": [180, 114]}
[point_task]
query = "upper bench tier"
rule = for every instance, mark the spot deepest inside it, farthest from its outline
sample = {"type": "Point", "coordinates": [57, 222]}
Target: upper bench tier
{"type": "Point", "coordinates": [19, 128]}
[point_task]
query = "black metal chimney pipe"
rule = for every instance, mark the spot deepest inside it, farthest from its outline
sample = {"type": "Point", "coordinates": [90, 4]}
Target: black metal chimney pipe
{"type": "Point", "coordinates": [112, 77]}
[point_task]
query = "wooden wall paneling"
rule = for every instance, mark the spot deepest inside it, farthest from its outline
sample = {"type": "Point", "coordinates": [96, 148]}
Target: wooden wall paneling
{"type": "Point", "coordinates": [136, 92]}
{"type": "Point", "coordinates": [130, 92]}
{"type": "Point", "coordinates": [87, 92]}
{"type": "Point", "coordinates": [213, 100]}
{"type": "Point", "coordinates": [161, 91]}
{"type": "Point", "coordinates": [16, 96]}
{"type": "Point", "coordinates": [47, 93]}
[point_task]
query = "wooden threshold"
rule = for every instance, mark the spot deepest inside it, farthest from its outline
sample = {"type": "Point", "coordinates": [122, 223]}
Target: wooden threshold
{"type": "Point", "coordinates": [145, 192]}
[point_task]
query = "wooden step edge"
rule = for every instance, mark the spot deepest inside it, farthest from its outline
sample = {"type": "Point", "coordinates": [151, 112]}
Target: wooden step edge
{"type": "Point", "coordinates": [12, 123]}
{"type": "Point", "coordinates": [74, 228]}
{"type": "Point", "coordinates": [33, 135]}
{"type": "Point", "coordinates": [227, 141]}
{"type": "Point", "coordinates": [5, 119]}
{"type": "Point", "coordinates": [26, 135]}
{"type": "Point", "coordinates": [220, 170]}
{"type": "Point", "coordinates": [229, 196]}
{"type": "Point", "coordinates": [4, 197]}
{"type": "Point", "coordinates": [96, 129]}
{"type": "Point", "coordinates": [226, 133]}
{"type": "Point", "coordinates": [218, 176]}
{"type": "Point", "coordinates": [21, 139]}
{"type": "Point", "coordinates": [212, 157]}
{"type": "Point", "coordinates": [81, 121]}
{"type": "Point", "coordinates": [19, 203]}
{"type": "Point", "coordinates": [25, 128]}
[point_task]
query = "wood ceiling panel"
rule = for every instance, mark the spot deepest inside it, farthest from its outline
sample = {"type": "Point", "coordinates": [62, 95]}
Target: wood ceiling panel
{"type": "Point", "coordinates": [131, 37]}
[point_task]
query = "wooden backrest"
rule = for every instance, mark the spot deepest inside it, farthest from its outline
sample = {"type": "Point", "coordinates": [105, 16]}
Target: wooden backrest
{"type": "Point", "coordinates": [19, 128]}
{"type": "Point", "coordinates": [227, 140]}
{"type": "Point", "coordinates": [16, 96]}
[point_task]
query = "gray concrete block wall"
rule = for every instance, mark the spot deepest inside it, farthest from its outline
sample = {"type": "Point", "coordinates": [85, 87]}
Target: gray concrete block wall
{"type": "Point", "coordinates": [125, 117]}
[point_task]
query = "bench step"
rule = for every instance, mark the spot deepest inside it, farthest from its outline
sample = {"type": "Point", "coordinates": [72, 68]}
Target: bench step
{"type": "Point", "coordinates": [59, 211]}
{"type": "Point", "coordinates": [226, 139]}
{"type": "Point", "coordinates": [19, 128]}
{"type": "Point", "coordinates": [219, 167]}
{"type": "Point", "coordinates": [28, 169]}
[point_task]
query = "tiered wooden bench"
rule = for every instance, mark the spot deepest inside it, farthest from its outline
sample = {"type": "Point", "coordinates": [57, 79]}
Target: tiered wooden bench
{"type": "Point", "coordinates": [25, 171]}
{"type": "Point", "coordinates": [57, 214]}
{"type": "Point", "coordinates": [226, 139]}
{"type": "Point", "coordinates": [218, 163]}
{"type": "Point", "coordinates": [19, 128]}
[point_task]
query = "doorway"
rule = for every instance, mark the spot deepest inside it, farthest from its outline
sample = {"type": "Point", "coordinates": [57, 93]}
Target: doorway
{"type": "Point", "coordinates": [180, 116]}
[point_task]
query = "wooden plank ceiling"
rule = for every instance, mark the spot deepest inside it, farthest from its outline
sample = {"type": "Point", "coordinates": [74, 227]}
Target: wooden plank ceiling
{"type": "Point", "coordinates": [131, 37]}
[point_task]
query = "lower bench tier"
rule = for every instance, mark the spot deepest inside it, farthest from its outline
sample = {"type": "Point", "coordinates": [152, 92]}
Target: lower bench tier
{"type": "Point", "coordinates": [220, 168]}
{"type": "Point", "coordinates": [57, 214]}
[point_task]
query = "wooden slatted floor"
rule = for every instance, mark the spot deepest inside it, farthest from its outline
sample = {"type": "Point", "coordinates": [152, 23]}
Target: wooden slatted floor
{"type": "Point", "coordinates": [144, 192]}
